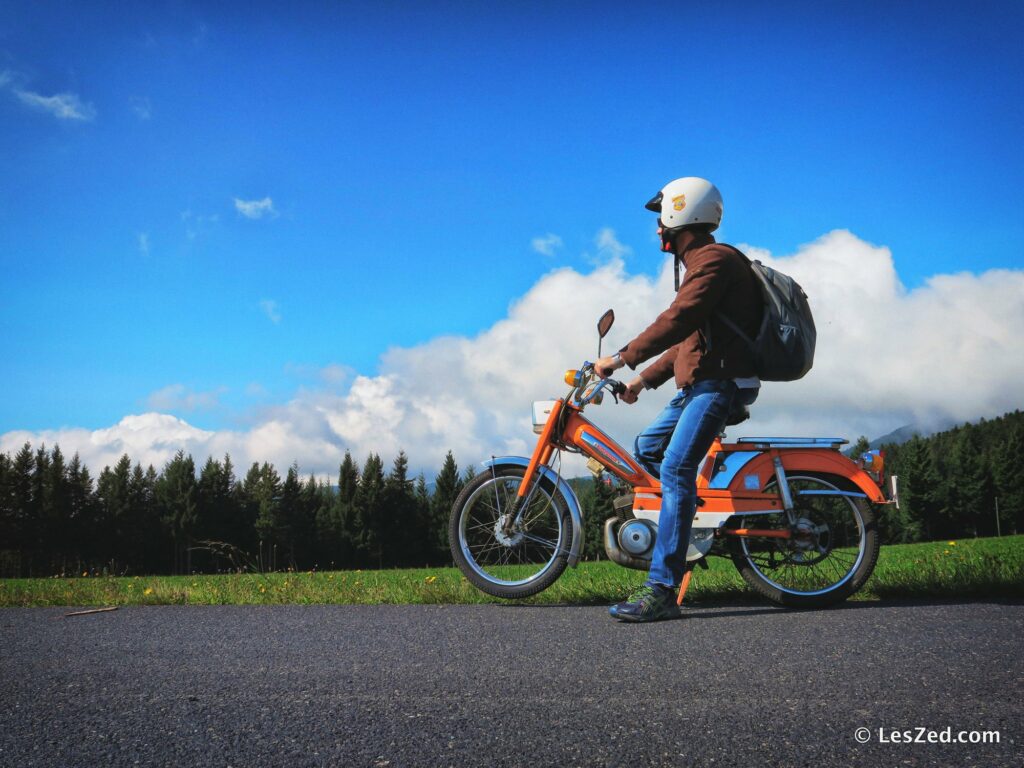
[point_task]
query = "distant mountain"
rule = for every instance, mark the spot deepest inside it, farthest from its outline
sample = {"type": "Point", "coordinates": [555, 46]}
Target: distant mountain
{"type": "Point", "coordinates": [907, 431]}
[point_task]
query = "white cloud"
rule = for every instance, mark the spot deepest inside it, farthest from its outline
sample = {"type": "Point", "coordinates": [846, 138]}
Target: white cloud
{"type": "Point", "coordinates": [886, 356]}
{"type": "Point", "coordinates": [177, 397]}
{"type": "Point", "coordinates": [144, 243]}
{"type": "Point", "coordinates": [64, 106]}
{"type": "Point", "coordinates": [255, 209]}
{"type": "Point", "coordinates": [271, 310]}
{"type": "Point", "coordinates": [546, 245]}
{"type": "Point", "coordinates": [609, 247]}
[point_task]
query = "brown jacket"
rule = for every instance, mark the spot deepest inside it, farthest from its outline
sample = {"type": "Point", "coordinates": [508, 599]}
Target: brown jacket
{"type": "Point", "coordinates": [695, 343]}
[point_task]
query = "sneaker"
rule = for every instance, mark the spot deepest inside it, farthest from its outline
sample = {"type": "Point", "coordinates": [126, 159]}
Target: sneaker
{"type": "Point", "coordinates": [647, 604]}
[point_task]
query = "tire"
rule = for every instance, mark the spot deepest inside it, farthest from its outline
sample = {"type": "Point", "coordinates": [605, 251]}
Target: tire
{"type": "Point", "coordinates": [529, 561]}
{"type": "Point", "coordinates": [825, 566]}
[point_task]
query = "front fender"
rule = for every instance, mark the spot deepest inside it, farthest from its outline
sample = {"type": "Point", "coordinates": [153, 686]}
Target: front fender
{"type": "Point", "coordinates": [575, 549]}
{"type": "Point", "coordinates": [818, 460]}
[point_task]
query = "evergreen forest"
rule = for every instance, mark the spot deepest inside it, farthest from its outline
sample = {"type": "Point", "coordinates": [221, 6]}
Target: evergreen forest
{"type": "Point", "coordinates": [56, 518]}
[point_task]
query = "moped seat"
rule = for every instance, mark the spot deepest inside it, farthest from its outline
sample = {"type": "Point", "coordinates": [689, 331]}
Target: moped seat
{"type": "Point", "coordinates": [738, 414]}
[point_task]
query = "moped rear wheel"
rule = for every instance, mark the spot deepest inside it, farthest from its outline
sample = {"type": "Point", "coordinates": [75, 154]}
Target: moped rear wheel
{"type": "Point", "coordinates": [830, 556]}
{"type": "Point", "coordinates": [512, 563]}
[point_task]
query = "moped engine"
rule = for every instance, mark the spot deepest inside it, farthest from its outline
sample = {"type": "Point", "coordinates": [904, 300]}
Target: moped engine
{"type": "Point", "coordinates": [633, 544]}
{"type": "Point", "coordinates": [636, 538]}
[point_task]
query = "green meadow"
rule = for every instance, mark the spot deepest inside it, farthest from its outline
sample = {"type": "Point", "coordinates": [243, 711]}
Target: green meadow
{"type": "Point", "coordinates": [965, 568]}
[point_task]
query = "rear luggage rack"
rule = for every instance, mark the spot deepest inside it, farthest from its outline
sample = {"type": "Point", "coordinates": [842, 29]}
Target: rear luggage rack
{"type": "Point", "coordinates": [794, 442]}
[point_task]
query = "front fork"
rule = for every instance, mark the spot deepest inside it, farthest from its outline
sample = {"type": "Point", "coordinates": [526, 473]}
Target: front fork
{"type": "Point", "coordinates": [510, 519]}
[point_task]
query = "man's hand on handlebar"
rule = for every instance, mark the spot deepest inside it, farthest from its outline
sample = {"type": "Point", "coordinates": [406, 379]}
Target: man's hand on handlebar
{"type": "Point", "coordinates": [606, 365]}
{"type": "Point", "coordinates": [632, 391]}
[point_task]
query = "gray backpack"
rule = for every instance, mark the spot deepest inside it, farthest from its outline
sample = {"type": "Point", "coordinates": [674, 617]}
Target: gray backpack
{"type": "Point", "coordinates": [784, 345]}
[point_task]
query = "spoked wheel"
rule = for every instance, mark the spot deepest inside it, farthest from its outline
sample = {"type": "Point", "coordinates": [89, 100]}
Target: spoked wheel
{"type": "Point", "coordinates": [503, 551]}
{"type": "Point", "coordinates": [829, 556]}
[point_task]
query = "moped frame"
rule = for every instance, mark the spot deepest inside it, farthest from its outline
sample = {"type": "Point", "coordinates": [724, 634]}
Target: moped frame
{"type": "Point", "coordinates": [761, 460]}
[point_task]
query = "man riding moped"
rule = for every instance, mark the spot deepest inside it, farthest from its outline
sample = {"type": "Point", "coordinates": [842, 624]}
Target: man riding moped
{"type": "Point", "coordinates": [714, 370]}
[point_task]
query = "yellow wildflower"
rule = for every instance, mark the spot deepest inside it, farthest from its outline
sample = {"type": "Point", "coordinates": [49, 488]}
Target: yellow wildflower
{"type": "Point", "coordinates": [147, 591]}
{"type": "Point", "coordinates": [430, 579]}
{"type": "Point", "coordinates": [952, 543]}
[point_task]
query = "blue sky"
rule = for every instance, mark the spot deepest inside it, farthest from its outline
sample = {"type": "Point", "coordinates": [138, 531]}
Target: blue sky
{"type": "Point", "coordinates": [411, 153]}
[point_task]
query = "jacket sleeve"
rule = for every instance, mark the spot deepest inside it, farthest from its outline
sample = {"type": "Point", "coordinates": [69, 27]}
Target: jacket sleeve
{"type": "Point", "coordinates": [707, 278]}
{"type": "Point", "coordinates": [661, 371]}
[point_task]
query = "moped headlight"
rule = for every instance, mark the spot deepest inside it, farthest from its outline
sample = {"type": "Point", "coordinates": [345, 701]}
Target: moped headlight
{"type": "Point", "coordinates": [572, 377]}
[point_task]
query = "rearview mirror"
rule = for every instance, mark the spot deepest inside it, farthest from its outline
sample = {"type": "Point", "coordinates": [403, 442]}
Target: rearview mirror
{"type": "Point", "coordinates": [605, 323]}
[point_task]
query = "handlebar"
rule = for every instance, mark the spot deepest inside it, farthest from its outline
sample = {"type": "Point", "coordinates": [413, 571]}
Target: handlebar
{"type": "Point", "coordinates": [616, 387]}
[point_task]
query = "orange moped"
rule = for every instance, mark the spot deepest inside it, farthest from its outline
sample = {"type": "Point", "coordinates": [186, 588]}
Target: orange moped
{"type": "Point", "coordinates": [794, 514]}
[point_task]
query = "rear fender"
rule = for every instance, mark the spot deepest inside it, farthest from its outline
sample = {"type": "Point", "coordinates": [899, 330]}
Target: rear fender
{"type": "Point", "coordinates": [567, 493]}
{"type": "Point", "coordinates": [759, 470]}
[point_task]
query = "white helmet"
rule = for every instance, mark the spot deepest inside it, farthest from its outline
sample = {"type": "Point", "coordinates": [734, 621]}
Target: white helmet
{"type": "Point", "coordinates": [686, 201]}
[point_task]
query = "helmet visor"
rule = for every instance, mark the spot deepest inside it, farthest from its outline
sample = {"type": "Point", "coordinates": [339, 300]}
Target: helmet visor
{"type": "Point", "coordinates": [654, 204]}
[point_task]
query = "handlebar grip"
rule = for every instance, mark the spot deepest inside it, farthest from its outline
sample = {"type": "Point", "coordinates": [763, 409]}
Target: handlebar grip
{"type": "Point", "coordinates": [617, 387]}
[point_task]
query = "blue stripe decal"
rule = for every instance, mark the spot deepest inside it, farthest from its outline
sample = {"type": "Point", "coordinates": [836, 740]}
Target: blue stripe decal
{"type": "Point", "coordinates": [729, 466]}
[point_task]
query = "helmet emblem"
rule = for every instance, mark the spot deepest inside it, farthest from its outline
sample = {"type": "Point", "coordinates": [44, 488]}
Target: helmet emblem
{"type": "Point", "coordinates": [679, 202]}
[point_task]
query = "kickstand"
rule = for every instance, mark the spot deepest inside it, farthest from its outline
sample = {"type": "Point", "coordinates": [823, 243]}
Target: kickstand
{"type": "Point", "coordinates": [682, 587]}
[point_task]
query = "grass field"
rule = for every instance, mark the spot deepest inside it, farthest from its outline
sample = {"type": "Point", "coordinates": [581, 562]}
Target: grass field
{"type": "Point", "coordinates": [974, 568]}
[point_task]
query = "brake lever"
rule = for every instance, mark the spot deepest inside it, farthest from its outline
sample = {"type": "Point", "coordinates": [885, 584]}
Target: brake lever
{"type": "Point", "coordinates": [617, 388]}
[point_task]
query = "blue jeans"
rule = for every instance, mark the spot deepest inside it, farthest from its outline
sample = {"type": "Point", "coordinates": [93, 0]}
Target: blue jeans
{"type": "Point", "coordinates": [672, 449]}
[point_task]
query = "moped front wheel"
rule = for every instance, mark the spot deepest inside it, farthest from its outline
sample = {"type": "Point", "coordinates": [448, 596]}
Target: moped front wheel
{"type": "Point", "coordinates": [507, 551]}
{"type": "Point", "coordinates": [829, 556]}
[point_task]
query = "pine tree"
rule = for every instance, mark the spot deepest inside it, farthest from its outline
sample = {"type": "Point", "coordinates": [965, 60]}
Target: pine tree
{"type": "Point", "coordinates": [446, 489]}
{"type": "Point", "coordinates": [312, 498]}
{"type": "Point", "coordinates": [971, 487]}
{"type": "Point", "coordinates": [288, 522]}
{"type": "Point", "coordinates": [21, 522]}
{"type": "Point", "coordinates": [82, 514]}
{"type": "Point", "coordinates": [1008, 471]}
{"type": "Point", "coordinates": [348, 479]}
{"type": "Point", "coordinates": [424, 550]}
{"type": "Point", "coordinates": [918, 486]}
{"type": "Point", "coordinates": [860, 445]}
{"type": "Point", "coordinates": [56, 528]}
{"type": "Point", "coordinates": [400, 526]}
{"type": "Point", "coordinates": [262, 492]}
{"type": "Point", "coordinates": [116, 545]}
{"type": "Point", "coordinates": [367, 515]}
{"type": "Point", "coordinates": [9, 555]}
{"type": "Point", "coordinates": [176, 498]}
{"type": "Point", "coordinates": [145, 524]}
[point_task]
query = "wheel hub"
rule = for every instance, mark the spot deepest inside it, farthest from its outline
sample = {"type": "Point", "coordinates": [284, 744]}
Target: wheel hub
{"type": "Point", "coordinates": [505, 534]}
{"type": "Point", "coordinates": [811, 542]}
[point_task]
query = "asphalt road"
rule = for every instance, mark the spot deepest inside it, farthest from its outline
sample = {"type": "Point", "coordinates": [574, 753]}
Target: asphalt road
{"type": "Point", "coordinates": [508, 686]}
